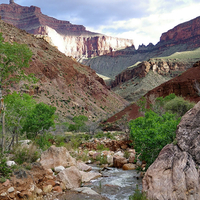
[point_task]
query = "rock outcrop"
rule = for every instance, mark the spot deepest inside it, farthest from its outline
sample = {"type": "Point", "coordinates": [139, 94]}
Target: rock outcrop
{"type": "Point", "coordinates": [162, 67]}
{"type": "Point", "coordinates": [184, 85]}
{"type": "Point", "coordinates": [73, 40]}
{"type": "Point", "coordinates": [175, 173]}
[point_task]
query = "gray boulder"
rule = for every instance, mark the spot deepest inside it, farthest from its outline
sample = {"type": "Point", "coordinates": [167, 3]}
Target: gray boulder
{"type": "Point", "coordinates": [175, 173]}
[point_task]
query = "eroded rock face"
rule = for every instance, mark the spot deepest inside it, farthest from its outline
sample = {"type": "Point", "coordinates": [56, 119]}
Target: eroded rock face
{"type": "Point", "coordinates": [175, 173]}
{"type": "Point", "coordinates": [142, 69]}
{"type": "Point", "coordinates": [73, 40]}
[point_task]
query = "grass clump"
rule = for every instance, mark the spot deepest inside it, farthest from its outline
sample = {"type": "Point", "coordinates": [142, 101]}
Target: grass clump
{"type": "Point", "coordinates": [138, 195]}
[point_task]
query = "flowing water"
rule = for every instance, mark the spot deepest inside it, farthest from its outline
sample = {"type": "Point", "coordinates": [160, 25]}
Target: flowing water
{"type": "Point", "coordinates": [116, 184]}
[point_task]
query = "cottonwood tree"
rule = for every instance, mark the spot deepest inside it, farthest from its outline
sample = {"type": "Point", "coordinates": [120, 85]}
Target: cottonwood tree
{"type": "Point", "coordinates": [18, 106]}
{"type": "Point", "coordinates": [40, 118]}
{"type": "Point", "coordinates": [13, 58]}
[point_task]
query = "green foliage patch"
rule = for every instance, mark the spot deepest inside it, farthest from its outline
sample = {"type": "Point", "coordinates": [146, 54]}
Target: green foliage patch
{"type": "Point", "coordinates": [151, 133]}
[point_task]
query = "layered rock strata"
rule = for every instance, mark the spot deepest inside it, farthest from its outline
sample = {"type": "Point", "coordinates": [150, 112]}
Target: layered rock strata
{"type": "Point", "coordinates": [73, 40]}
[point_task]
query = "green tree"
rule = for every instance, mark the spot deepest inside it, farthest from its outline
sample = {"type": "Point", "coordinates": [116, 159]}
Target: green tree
{"type": "Point", "coordinates": [151, 133]}
{"type": "Point", "coordinates": [40, 118]}
{"type": "Point", "coordinates": [79, 123]}
{"type": "Point", "coordinates": [17, 108]}
{"type": "Point", "coordinates": [13, 58]}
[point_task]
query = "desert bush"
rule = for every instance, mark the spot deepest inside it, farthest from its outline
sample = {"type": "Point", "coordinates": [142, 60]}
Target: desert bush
{"type": "Point", "coordinates": [178, 106]}
{"type": "Point", "coordinates": [151, 133]}
{"type": "Point", "coordinates": [26, 154]}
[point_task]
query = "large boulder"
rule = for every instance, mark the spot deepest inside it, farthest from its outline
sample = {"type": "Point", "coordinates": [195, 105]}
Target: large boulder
{"type": "Point", "coordinates": [70, 177]}
{"type": "Point", "coordinates": [88, 176]}
{"type": "Point", "coordinates": [83, 167]}
{"type": "Point", "coordinates": [175, 173]}
{"type": "Point", "coordinates": [56, 156]}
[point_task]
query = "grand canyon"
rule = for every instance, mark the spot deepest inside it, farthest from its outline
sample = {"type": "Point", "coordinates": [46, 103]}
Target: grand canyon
{"type": "Point", "coordinates": [99, 85]}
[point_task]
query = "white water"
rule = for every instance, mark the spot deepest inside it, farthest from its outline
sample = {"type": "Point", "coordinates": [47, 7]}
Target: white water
{"type": "Point", "coordinates": [118, 184]}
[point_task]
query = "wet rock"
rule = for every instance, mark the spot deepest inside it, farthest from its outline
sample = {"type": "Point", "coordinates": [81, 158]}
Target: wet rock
{"type": "Point", "coordinates": [86, 190]}
{"type": "Point", "coordinates": [129, 166]}
{"type": "Point", "coordinates": [88, 176]}
{"type": "Point", "coordinates": [71, 177]}
{"type": "Point", "coordinates": [119, 161]}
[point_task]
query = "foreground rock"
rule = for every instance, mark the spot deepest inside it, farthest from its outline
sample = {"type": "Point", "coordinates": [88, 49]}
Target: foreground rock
{"type": "Point", "coordinates": [175, 173]}
{"type": "Point", "coordinates": [71, 177]}
{"type": "Point", "coordinates": [56, 156]}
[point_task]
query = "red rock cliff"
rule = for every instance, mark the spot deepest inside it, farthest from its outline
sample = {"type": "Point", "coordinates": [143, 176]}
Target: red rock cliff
{"type": "Point", "coordinates": [183, 32]}
{"type": "Point", "coordinates": [73, 40]}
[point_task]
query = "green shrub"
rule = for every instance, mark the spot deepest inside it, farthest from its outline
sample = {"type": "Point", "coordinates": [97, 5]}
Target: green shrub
{"type": "Point", "coordinates": [102, 159]}
{"type": "Point", "coordinates": [101, 147]}
{"type": "Point", "coordinates": [27, 154]}
{"type": "Point", "coordinates": [5, 171]}
{"type": "Point", "coordinates": [178, 106]}
{"type": "Point", "coordinates": [138, 195]}
{"type": "Point", "coordinates": [43, 140]}
{"type": "Point", "coordinates": [79, 124]}
{"type": "Point", "coordinates": [151, 133]}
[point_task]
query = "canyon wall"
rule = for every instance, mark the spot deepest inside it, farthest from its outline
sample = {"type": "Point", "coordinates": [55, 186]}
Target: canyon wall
{"type": "Point", "coordinates": [72, 40]}
{"type": "Point", "coordinates": [183, 37]}
{"type": "Point", "coordinates": [166, 68]}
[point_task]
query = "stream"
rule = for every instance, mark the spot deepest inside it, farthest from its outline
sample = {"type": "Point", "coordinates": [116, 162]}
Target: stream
{"type": "Point", "coordinates": [116, 184]}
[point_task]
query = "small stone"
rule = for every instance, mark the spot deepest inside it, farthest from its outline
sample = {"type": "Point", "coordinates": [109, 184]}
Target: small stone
{"type": "Point", "coordinates": [10, 163]}
{"type": "Point", "coordinates": [38, 191]}
{"type": "Point", "coordinates": [50, 182]}
{"type": "Point", "coordinates": [32, 188]}
{"type": "Point", "coordinates": [49, 177]}
{"type": "Point", "coordinates": [4, 194]}
{"type": "Point", "coordinates": [59, 168]}
{"type": "Point", "coordinates": [6, 183]}
{"type": "Point", "coordinates": [47, 189]}
{"type": "Point", "coordinates": [57, 189]}
{"type": "Point", "coordinates": [11, 189]}
{"type": "Point", "coordinates": [129, 166]}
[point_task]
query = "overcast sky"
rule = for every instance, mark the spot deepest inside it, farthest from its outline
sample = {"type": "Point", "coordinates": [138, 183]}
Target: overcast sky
{"type": "Point", "coordinates": [141, 20]}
